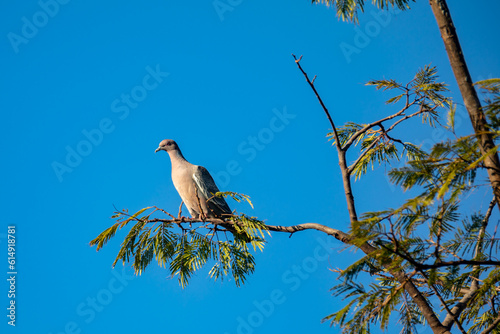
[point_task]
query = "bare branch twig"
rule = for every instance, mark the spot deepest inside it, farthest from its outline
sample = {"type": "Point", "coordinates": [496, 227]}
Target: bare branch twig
{"type": "Point", "coordinates": [492, 326]}
{"type": "Point", "coordinates": [311, 83]}
{"type": "Point", "coordinates": [180, 210]}
{"type": "Point", "coordinates": [460, 306]}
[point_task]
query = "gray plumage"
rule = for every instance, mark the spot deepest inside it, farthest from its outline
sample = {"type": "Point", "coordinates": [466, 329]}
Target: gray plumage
{"type": "Point", "coordinates": [194, 184]}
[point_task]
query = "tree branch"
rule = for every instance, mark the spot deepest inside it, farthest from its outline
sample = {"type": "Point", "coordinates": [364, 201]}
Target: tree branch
{"type": "Point", "coordinates": [337, 234]}
{"type": "Point", "coordinates": [423, 266]}
{"type": "Point", "coordinates": [443, 303]}
{"type": "Point", "coordinates": [346, 176]}
{"type": "Point", "coordinates": [462, 304]}
{"type": "Point", "coordinates": [492, 326]}
{"type": "Point", "coordinates": [311, 83]}
{"type": "Point", "coordinates": [412, 290]}
{"type": "Point", "coordinates": [384, 132]}
{"type": "Point", "coordinates": [353, 138]}
{"type": "Point", "coordinates": [387, 135]}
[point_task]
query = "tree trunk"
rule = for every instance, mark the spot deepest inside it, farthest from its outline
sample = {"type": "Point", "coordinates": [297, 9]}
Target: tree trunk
{"type": "Point", "coordinates": [469, 94]}
{"type": "Point", "coordinates": [346, 178]}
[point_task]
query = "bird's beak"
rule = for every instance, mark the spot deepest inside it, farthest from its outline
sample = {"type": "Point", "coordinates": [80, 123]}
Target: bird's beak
{"type": "Point", "coordinates": [158, 149]}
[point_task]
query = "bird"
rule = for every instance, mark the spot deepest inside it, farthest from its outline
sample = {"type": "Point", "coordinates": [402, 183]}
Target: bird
{"type": "Point", "coordinates": [195, 186]}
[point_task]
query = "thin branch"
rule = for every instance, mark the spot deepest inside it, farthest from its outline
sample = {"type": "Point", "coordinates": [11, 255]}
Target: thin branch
{"type": "Point", "coordinates": [385, 132]}
{"type": "Point", "coordinates": [416, 113]}
{"type": "Point", "coordinates": [492, 326]}
{"type": "Point", "coordinates": [202, 214]}
{"type": "Point", "coordinates": [337, 234]}
{"type": "Point", "coordinates": [493, 237]}
{"type": "Point", "coordinates": [353, 138]}
{"type": "Point", "coordinates": [482, 232]}
{"type": "Point", "coordinates": [458, 263]}
{"type": "Point", "coordinates": [443, 302]}
{"type": "Point", "coordinates": [389, 137]}
{"type": "Point", "coordinates": [346, 176]}
{"type": "Point", "coordinates": [423, 266]}
{"type": "Point", "coordinates": [165, 212]}
{"type": "Point", "coordinates": [180, 210]}
{"type": "Point", "coordinates": [460, 306]}
{"type": "Point", "coordinates": [396, 289]}
{"type": "Point", "coordinates": [311, 83]}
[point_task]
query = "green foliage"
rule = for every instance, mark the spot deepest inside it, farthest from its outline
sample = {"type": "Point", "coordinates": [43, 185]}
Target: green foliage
{"type": "Point", "coordinates": [446, 251]}
{"type": "Point", "coordinates": [235, 196]}
{"type": "Point", "coordinates": [381, 152]}
{"type": "Point", "coordinates": [484, 310]}
{"type": "Point", "coordinates": [424, 91]}
{"type": "Point", "coordinates": [252, 228]}
{"type": "Point", "coordinates": [347, 132]}
{"type": "Point", "coordinates": [348, 10]}
{"type": "Point", "coordinates": [491, 90]}
{"type": "Point", "coordinates": [450, 168]}
{"type": "Point", "coordinates": [421, 97]}
{"type": "Point", "coordinates": [403, 245]}
{"type": "Point", "coordinates": [184, 247]}
{"type": "Point", "coordinates": [373, 305]}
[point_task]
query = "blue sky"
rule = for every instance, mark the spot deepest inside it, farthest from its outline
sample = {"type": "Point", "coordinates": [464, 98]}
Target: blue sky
{"type": "Point", "coordinates": [110, 80]}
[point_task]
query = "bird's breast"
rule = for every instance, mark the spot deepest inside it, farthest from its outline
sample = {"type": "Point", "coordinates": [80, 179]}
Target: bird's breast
{"type": "Point", "coordinates": [183, 182]}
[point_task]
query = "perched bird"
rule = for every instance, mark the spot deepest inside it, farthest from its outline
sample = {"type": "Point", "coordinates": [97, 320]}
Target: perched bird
{"type": "Point", "coordinates": [195, 185]}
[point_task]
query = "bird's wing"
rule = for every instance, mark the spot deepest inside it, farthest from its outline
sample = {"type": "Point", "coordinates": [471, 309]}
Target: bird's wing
{"type": "Point", "coordinates": [206, 185]}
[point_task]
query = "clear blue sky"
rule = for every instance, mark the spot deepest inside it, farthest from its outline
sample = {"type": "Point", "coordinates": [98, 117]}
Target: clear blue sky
{"type": "Point", "coordinates": [129, 74]}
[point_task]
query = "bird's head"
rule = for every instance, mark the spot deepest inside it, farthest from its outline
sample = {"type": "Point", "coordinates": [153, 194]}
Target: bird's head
{"type": "Point", "coordinates": [167, 145]}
